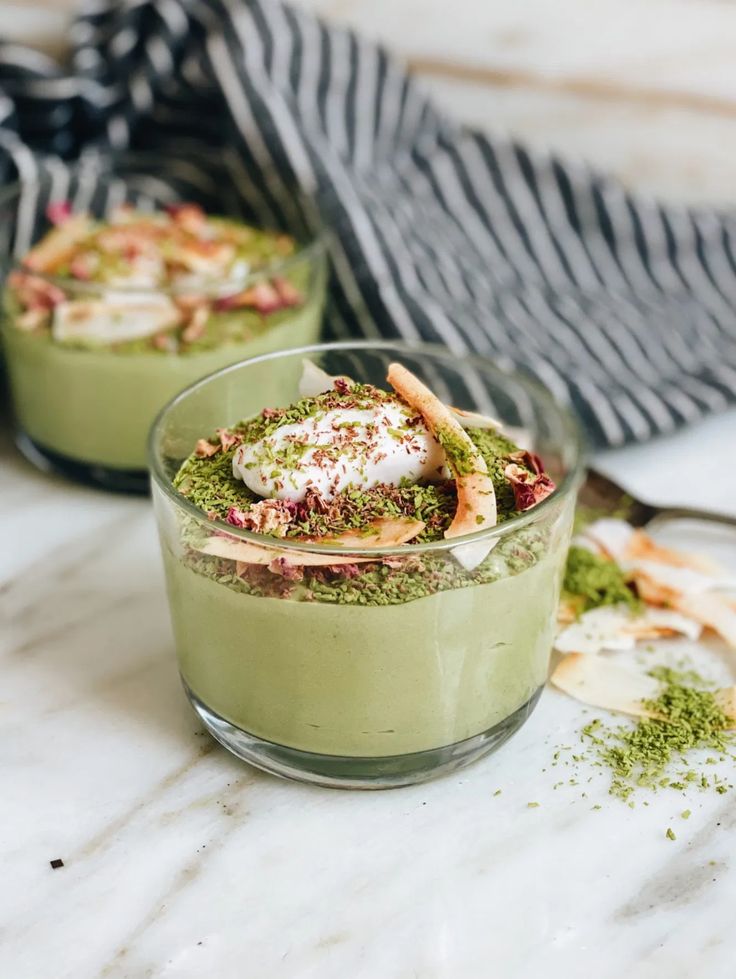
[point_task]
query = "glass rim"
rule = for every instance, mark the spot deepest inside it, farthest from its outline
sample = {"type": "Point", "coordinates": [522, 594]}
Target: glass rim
{"type": "Point", "coordinates": [313, 249]}
{"type": "Point", "coordinates": [569, 483]}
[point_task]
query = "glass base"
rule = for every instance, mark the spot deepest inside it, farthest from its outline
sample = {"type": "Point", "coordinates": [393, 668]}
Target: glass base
{"type": "Point", "coordinates": [91, 474]}
{"type": "Point", "coordinates": [338, 772]}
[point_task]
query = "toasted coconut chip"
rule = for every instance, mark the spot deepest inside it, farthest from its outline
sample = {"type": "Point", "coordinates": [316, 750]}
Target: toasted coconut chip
{"type": "Point", "coordinates": [383, 532]}
{"type": "Point", "coordinates": [315, 381]}
{"type": "Point", "coordinates": [195, 328]}
{"type": "Point", "coordinates": [566, 613]}
{"type": "Point", "coordinates": [471, 419]}
{"type": "Point", "coordinates": [599, 682]}
{"type": "Point", "coordinates": [247, 553]}
{"type": "Point", "coordinates": [713, 611]}
{"type": "Point", "coordinates": [586, 543]}
{"type": "Point", "coordinates": [655, 623]}
{"type": "Point", "coordinates": [616, 628]}
{"type": "Point", "coordinates": [642, 547]}
{"type": "Point", "coordinates": [114, 319]}
{"type": "Point", "coordinates": [58, 244]}
{"type": "Point", "coordinates": [476, 499]}
{"type": "Point", "coordinates": [679, 579]}
{"type": "Point", "coordinates": [469, 556]}
{"type": "Point", "coordinates": [726, 700]}
{"type": "Point", "coordinates": [596, 630]}
{"type": "Point", "coordinates": [611, 536]}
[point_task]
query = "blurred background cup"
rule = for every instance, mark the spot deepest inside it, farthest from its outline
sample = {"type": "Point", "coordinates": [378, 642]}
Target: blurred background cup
{"type": "Point", "coordinates": [86, 411]}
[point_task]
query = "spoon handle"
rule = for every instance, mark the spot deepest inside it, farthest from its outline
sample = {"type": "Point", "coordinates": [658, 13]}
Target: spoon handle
{"type": "Point", "coordinates": [691, 513]}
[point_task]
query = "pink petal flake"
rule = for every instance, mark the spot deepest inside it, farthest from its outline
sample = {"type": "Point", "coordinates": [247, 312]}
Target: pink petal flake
{"type": "Point", "coordinates": [228, 439]}
{"type": "Point", "coordinates": [204, 449]}
{"type": "Point", "coordinates": [189, 217]}
{"type": "Point", "coordinates": [33, 292]}
{"type": "Point", "coordinates": [529, 488]}
{"type": "Point", "coordinates": [58, 212]}
{"type": "Point", "coordinates": [529, 459]}
{"type": "Point", "coordinates": [84, 265]}
{"type": "Point", "coordinates": [281, 566]}
{"type": "Point", "coordinates": [264, 517]}
{"type": "Point", "coordinates": [289, 294]}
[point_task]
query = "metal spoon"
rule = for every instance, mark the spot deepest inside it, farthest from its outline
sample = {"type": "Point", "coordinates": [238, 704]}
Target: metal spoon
{"type": "Point", "coordinates": [601, 493]}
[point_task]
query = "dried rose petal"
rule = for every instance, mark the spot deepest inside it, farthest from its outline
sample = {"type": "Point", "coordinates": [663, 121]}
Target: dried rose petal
{"type": "Point", "coordinates": [59, 211]}
{"type": "Point", "coordinates": [34, 292]}
{"type": "Point", "coordinates": [281, 566]}
{"type": "Point", "coordinates": [264, 517]}
{"type": "Point", "coordinates": [84, 265]}
{"type": "Point", "coordinates": [228, 439]}
{"type": "Point", "coordinates": [529, 489]}
{"type": "Point", "coordinates": [237, 517]}
{"type": "Point", "coordinates": [528, 459]}
{"type": "Point", "coordinates": [289, 294]}
{"type": "Point", "coordinates": [190, 217]}
{"type": "Point", "coordinates": [345, 570]}
{"type": "Point", "coordinates": [204, 449]}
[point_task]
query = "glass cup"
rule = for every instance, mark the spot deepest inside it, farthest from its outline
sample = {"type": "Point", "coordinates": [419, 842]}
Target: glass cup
{"type": "Point", "coordinates": [402, 665]}
{"type": "Point", "coordinates": [86, 411]}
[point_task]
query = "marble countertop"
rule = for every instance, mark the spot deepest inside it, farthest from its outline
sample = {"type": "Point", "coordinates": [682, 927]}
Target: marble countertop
{"type": "Point", "coordinates": [180, 862]}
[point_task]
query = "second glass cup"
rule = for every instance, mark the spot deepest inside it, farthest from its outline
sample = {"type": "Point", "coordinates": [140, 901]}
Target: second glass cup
{"type": "Point", "coordinates": [119, 309]}
{"type": "Point", "coordinates": [395, 663]}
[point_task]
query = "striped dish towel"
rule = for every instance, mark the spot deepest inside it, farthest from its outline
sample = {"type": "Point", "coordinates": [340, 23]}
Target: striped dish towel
{"type": "Point", "coordinates": [624, 308]}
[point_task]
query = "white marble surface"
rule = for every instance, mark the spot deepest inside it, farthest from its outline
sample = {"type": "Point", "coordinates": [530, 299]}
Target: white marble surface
{"type": "Point", "coordinates": [181, 862]}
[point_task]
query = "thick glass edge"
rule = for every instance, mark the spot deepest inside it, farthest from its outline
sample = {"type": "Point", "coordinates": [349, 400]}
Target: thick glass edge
{"type": "Point", "coordinates": [569, 485]}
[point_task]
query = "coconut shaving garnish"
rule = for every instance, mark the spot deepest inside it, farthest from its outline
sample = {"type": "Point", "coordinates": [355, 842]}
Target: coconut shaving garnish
{"type": "Point", "coordinates": [476, 499]}
{"type": "Point", "coordinates": [171, 281]}
{"type": "Point", "coordinates": [621, 587]}
{"type": "Point", "coordinates": [353, 465]}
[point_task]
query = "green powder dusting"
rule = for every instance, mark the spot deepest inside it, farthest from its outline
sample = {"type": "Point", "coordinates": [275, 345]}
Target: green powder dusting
{"type": "Point", "coordinates": [642, 755]}
{"type": "Point", "coordinates": [459, 453]}
{"type": "Point", "coordinates": [591, 581]}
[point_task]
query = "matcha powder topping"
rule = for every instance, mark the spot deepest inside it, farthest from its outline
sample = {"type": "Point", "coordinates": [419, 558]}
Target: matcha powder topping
{"type": "Point", "coordinates": [591, 581]}
{"type": "Point", "coordinates": [688, 720]}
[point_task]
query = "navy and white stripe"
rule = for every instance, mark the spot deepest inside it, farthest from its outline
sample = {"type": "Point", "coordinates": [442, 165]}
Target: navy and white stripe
{"type": "Point", "coordinates": [622, 307]}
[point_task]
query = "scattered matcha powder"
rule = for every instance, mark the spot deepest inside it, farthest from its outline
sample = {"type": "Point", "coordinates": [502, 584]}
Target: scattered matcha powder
{"type": "Point", "coordinates": [688, 719]}
{"type": "Point", "coordinates": [591, 581]}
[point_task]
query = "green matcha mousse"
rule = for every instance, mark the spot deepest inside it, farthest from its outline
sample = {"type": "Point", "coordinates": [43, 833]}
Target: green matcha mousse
{"type": "Point", "coordinates": [104, 321]}
{"type": "Point", "coordinates": [388, 639]}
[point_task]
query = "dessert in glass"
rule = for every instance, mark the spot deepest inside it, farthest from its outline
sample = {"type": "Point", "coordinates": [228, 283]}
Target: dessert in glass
{"type": "Point", "coordinates": [105, 318]}
{"type": "Point", "coordinates": [363, 566]}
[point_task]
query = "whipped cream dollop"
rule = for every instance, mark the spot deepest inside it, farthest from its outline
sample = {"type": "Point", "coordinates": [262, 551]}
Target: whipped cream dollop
{"type": "Point", "coordinates": [338, 448]}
